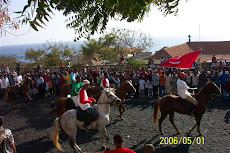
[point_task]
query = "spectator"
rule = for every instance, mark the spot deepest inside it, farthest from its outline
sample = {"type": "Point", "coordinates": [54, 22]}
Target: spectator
{"type": "Point", "coordinates": [118, 140]}
{"type": "Point", "coordinates": [40, 86]}
{"type": "Point", "coordinates": [202, 79]}
{"type": "Point", "coordinates": [162, 80]}
{"type": "Point", "coordinates": [150, 90]}
{"type": "Point", "coordinates": [223, 79]}
{"type": "Point", "coordinates": [155, 81]}
{"type": "Point", "coordinates": [149, 148]}
{"type": "Point", "coordinates": [141, 87]}
{"type": "Point", "coordinates": [146, 87]}
{"type": "Point", "coordinates": [168, 83]}
{"type": "Point", "coordinates": [174, 86]}
{"type": "Point", "coordinates": [195, 79]}
{"type": "Point", "coordinates": [7, 145]}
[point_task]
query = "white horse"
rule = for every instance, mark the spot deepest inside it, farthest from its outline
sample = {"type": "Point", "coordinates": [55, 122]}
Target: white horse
{"type": "Point", "coordinates": [69, 123]}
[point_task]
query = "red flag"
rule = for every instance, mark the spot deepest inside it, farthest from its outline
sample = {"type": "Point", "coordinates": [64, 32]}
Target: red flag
{"type": "Point", "coordinates": [185, 61]}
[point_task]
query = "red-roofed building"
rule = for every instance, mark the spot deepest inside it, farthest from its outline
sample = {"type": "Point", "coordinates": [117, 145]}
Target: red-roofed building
{"type": "Point", "coordinates": [221, 49]}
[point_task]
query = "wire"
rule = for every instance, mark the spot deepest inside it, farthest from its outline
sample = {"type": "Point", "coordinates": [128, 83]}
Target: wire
{"type": "Point", "coordinates": [17, 35]}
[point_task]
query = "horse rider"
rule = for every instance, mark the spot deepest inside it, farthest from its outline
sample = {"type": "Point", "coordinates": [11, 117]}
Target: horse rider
{"type": "Point", "coordinates": [105, 81]}
{"type": "Point", "coordinates": [84, 102]}
{"type": "Point", "coordinates": [183, 92]}
{"type": "Point", "coordinates": [76, 87]}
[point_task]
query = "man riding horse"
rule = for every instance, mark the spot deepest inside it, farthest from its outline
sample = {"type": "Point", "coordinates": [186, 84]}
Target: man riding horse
{"type": "Point", "coordinates": [84, 102]}
{"type": "Point", "coordinates": [182, 89]}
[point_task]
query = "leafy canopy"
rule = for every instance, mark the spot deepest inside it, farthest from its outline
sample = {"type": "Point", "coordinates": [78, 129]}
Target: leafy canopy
{"type": "Point", "coordinates": [90, 16]}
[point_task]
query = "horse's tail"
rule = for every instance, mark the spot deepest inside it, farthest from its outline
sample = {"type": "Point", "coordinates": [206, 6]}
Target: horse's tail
{"type": "Point", "coordinates": [6, 94]}
{"type": "Point", "coordinates": [55, 134]}
{"type": "Point", "coordinates": [156, 110]}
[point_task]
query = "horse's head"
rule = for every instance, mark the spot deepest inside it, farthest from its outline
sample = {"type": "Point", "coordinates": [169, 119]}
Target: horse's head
{"type": "Point", "coordinates": [211, 87]}
{"type": "Point", "coordinates": [112, 98]}
{"type": "Point", "coordinates": [130, 86]}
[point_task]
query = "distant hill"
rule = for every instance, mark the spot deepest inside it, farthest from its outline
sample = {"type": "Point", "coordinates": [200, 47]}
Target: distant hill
{"type": "Point", "coordinates": [20, 50]}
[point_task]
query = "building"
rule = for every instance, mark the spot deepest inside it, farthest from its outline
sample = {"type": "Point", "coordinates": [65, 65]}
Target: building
{"type": "Point", "coordinates": [221, 49]}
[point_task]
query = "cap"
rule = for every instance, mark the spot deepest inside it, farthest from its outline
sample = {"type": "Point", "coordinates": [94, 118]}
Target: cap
{"type": "Point", "coordinates": [182, 74]}
{"type": "Point", "coordinates": [85, 82]}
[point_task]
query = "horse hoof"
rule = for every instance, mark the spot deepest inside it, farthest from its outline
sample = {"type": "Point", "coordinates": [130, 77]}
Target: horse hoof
{"type": "Point", "coordinates": [103, 147]}
{"type": "Point", "coordinates": [122, 118]}
{"type": "Point", "coordinates": [162, 132]}
{"type": "Point", "coordinates": [200, 133]}
{"type": "Point", "coordinates": [178, 132]}
{"type": "Point", "coordinates": [107, 149]}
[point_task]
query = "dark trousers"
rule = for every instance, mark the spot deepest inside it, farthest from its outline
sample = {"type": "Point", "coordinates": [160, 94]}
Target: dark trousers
{"type": "Point", "coordinates": [41, 90]}
{"type": "Point", "coordinates": [91, 115]}
{"type": "Point", "coordinates": [155, 90]}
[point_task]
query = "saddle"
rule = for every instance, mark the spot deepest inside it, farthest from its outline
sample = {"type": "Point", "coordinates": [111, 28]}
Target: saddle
{"type": "Point", "coordinates": [82, 115]}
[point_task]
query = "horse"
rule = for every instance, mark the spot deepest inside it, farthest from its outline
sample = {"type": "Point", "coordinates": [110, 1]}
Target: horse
{"type": "Point", "coordinates": [122, 92]}
{"type": "Point", "coordinates": [69, 122]}
{"type": "Point", "coordinates": [171, 103]}
{"type": "Point", "coordinates": [63, 104]}
{"type": "Point", "coordinates": [23, 89]}
{"type": "Point", "coordinates": [65, 90]}
{"type": "Point", "coordinates": [59, 105]}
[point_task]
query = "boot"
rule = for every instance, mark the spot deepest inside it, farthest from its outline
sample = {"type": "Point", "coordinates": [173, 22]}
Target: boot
{"type": "Point", "coordinates": [88, 121]}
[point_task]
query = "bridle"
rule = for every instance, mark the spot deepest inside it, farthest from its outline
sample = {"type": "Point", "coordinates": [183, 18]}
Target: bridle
{"type": "Point", "coordinates": [112, 101]}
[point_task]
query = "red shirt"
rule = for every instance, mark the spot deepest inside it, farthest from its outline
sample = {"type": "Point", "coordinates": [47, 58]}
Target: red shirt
{"type": "Point", "coordinates": [61, 81]}
{"type": "Point", "coordinates": [120, 150]}
{"type": "Point", "coordinates": [83, 98]}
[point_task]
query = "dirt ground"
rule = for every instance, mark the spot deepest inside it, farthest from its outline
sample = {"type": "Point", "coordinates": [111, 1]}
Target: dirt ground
{"type": "Point", "coordinates": [32, 129]}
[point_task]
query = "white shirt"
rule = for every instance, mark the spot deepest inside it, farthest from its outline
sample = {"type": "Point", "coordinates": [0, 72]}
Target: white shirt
{"type": "Point", "coordinates": [195, 80]}
{"type": "Point", "coordinates": [40, 81]}
{"type": "Point", "coordinates": [142, 84]}
{"type": "Point", "coordinates": [19, 78]}
{"type": "Point", "coordinates": [182, 89]}
{"type": "Point", "coordinates": [168, 80]}
{"type": "Point", "coordinates": [5, 83]}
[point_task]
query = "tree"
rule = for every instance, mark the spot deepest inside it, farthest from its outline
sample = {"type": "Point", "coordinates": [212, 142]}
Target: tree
{"type": "Point", "coordinates": [36, 56]}
{"type": "Point", "coordinates": [111, 46]}
{"type": "Point", "coordinates": [90, 16]}
{"type": "Point", "coordinates": [9, 60]}
{"type": "Point", "coordinates": [51, 54]}
{"type": "Point", "coordinates": [5, 20]}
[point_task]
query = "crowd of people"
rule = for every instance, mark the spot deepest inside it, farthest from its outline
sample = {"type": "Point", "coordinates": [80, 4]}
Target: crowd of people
{"type": "Point", "coordinates": [149, 83]}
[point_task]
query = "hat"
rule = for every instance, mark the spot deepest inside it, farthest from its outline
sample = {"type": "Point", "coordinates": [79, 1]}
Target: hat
{"type": "Point", "coordinates": [84, 82]}
{"type": "Point", "coordinates": [182, 74]}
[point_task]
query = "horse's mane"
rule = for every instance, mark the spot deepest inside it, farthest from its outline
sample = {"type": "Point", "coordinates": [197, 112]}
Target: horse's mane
{"type": "Point", "coordinates": [202, 89]}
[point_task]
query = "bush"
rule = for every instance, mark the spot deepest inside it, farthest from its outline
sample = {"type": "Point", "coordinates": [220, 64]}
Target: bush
{"type": "Point", "coordinates": [79, 64]}
{"type": "Point", "coordinates": [137, 63]}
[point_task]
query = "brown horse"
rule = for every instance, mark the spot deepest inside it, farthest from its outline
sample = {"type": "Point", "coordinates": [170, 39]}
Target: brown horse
{"type": "Point", "coordinates": [170, 104]}
{"type": "Point", "coordinates": [13, 90]}
{"type": "Point", "coordinates": [122, 92]}
{"type": "Point", "coordinates": [65, 90]}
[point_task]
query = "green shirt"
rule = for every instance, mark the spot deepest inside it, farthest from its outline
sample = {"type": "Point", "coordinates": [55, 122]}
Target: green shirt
{"type": "Point", "coordinates": [75, 87]}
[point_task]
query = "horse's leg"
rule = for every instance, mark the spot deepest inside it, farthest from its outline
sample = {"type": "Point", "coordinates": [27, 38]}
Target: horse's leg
{"type": "Point", "coordinates": [171, 116]}
{"type": "Point", "coordinates": [121, 110]}
{"type": "Point", "coordinates": [103, 133]}
{"type": "Point", "coordinates": [198, 120]}
{"type": "Point", "coordinates": [190, 130]}
{"type": "Point", "coordinates": [163, 116]}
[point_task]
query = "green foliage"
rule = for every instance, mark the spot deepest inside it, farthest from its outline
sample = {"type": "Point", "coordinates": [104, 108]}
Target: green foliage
{"type": "Point", "coordinates": [79, 64]}
{"type": "Point", "coordinates": [50, 55]}
{"type": "Point", "coordinates": [137, 63]}
{"type": "Point", "coordinates": [9, 60]}
{"type": "Point", "coordinates": [90, 16]}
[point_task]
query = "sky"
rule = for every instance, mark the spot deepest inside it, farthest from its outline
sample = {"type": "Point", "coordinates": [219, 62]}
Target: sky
{"type": "Point", "coordinates": [204, 20]}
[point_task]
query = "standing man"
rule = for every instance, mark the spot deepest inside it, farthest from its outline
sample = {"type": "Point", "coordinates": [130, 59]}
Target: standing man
{"type": "Point", "coordinates": [105, 81]}
{"type": "Point", "coordinates": [17, 67]}
{"type": "Point", "coordinates": [174, 82]}
{"type": "Point", "coordinates": [155, 82]}
{"type": "Point", "coordinates": [162, 80]}
{"type": "Point", "coordinates": [73, 77]}
{"type": "Point", "coordinates": [40, 86]}
{"type": "Point", "coordinates": [168, 84]}
{"type": "Point", "coordinates": [7, 143]}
